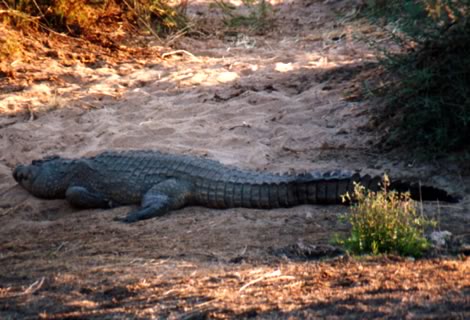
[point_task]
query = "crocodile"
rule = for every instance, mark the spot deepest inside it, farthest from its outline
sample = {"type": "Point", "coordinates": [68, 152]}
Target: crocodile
{"type": "Point", "coordinates": [162, 182]}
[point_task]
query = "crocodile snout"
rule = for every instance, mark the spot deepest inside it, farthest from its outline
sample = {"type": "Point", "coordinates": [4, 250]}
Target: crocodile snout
{"type": "Point", "coordinates": [17, 175]}
{"type": "Point", "coordinates": [21, 173]}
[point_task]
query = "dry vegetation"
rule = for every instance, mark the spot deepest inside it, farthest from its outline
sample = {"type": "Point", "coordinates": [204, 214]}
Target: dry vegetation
{"type": "Point", "coordinates": [37, 42]}
{"type": "Point", "coordinates": [343, 288]}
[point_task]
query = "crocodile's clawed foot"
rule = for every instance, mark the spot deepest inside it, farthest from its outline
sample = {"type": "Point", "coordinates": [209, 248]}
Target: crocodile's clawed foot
{"type": "Point", "coordinates": [130, 219]}
{"type": "Point", "coordinates": [126, 219]}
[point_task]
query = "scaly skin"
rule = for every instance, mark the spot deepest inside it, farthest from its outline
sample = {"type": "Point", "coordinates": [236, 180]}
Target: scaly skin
{"type": "Point", "coordinates": [163, 182]}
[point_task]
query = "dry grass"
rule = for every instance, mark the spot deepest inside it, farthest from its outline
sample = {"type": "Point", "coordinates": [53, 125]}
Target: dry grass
{"type": "Point", "coordinates": [31, 58]}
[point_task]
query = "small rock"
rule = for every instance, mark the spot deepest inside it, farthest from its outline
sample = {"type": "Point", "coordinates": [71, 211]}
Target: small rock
{"type": "Point", "coordinates": [227, 76]}
{"type": "Point", "coordinates": [440, 238]}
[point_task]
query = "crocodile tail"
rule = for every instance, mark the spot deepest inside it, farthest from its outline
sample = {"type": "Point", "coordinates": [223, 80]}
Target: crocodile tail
{"type": "Point", "coordinates": [311, 188]}
{"type": "Point", "coordinates": [330, 188]}
{"type": "Point", "coordinates": [419, 192]}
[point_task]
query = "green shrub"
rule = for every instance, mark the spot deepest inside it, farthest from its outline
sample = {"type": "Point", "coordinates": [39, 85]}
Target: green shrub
{"type": "Point", "coordinates": [429, 96]}
{"type": "Point", "coordinates": [384, 222]}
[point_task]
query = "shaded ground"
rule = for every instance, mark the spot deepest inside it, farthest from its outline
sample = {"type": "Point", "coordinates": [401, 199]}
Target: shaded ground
{"type": "Point", "coordinates": [284, 101]}
{"type": "Point", "coordinates": [118, 287]}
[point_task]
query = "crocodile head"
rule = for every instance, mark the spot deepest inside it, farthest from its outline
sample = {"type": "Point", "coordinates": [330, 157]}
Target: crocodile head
{"type": "Point", "coordinates": [47, 178]}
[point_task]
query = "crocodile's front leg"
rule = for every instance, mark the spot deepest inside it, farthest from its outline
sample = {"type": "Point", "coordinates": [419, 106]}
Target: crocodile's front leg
{"type": "Point", "coordinates": [81, 197]}
{"type": "Point", "coordinates": [165, 196]}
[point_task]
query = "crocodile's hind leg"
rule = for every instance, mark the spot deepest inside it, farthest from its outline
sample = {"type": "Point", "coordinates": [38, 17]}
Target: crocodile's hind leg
{"type": "Point", "coordinates": [168, 195]}
{"type": "Point", "coordinates": [81, 197]}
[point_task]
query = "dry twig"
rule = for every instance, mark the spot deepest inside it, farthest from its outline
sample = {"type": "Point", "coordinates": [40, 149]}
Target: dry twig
{"type": "Point", "coordinates": [171, 53]}
{"type": "Point", "coordinates": [276, 273]}
{"type": "Point", "coordinates": [35, 286]}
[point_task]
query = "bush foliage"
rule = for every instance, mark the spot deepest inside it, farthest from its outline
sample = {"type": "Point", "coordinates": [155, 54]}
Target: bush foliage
{"type": "Point", "coordinates": [431, 91]}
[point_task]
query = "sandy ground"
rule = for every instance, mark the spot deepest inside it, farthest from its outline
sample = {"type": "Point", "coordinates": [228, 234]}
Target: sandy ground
{"type": "Point", "coordinates": [283, 101]}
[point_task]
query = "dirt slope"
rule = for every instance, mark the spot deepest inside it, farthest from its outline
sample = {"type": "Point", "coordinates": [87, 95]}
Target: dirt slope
{"type": "Point", "coordinates": [282, 101]}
